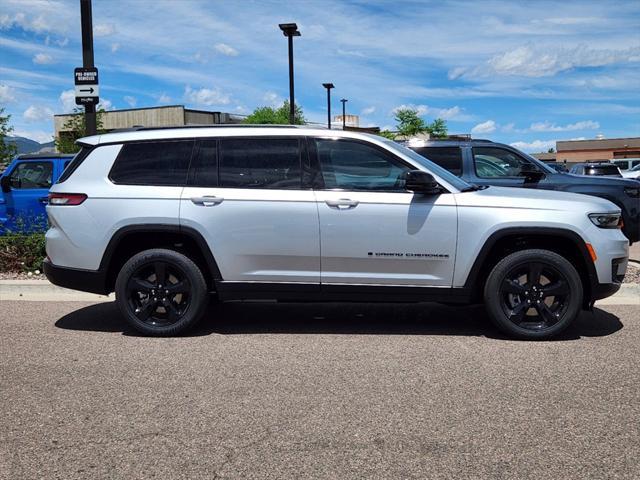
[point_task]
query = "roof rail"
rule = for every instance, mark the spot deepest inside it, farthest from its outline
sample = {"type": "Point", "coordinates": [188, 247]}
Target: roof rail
{"type": "Point", "coordinates": [28, 156]}
{"type": "Point", "coordinates": [139, 128]}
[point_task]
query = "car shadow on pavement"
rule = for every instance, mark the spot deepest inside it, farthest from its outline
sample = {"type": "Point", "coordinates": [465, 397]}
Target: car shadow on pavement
{"type": "Point", "coordinates": [237, 318]}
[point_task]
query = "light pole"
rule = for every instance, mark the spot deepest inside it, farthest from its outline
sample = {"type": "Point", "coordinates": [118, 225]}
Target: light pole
{"type": "Point", "coordinates": [290, 30]}
{"type": "Point", "coordinates": [328, 86]}
{"type": "Point", "coordinates": [344, 101]}
{"type": "Point", "coordinates": [86, 23]}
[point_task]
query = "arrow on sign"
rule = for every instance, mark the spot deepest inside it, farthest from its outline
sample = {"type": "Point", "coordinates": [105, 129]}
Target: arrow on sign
{"type": "Point", "coordinates": [90, 90]}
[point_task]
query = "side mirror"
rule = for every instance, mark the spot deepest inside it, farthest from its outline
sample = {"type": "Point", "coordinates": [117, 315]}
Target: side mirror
{"type": "Point", "coordinates": [5, 183]}
{"type": "Point", "coordinates": [531, 173]}
{"type": "Point", "coordinates": [418, 181]}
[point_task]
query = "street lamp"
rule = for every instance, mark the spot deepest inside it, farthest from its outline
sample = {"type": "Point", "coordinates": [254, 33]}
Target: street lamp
{"type": "Point", "coordinates": [328, 86]}
{"type": "Point", "coordinates": [344, 101]}
{"type": "Point", "coordinates": [290, 30]}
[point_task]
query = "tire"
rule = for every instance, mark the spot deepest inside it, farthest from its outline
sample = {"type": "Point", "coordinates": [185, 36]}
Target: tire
{"type": "Point", "coordinates": [166, 311]}
{"type": "Point", "coordinates": [533, 294]}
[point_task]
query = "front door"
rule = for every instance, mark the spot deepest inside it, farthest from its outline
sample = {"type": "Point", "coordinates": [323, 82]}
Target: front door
{"type": "Point", "coordinates": [246, 196]}
{"type": "Point", "coordinates": [374, 232]}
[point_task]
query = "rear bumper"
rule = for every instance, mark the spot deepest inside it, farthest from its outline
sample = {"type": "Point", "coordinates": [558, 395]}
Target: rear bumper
{"type": "Point", "coordinates": [93, 281]}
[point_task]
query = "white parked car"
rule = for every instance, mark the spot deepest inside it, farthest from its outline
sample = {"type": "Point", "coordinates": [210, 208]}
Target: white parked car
{"type": "Point", "coordinates": [164, 217]}
{"type": "Point", "coordinates": [632, 173]}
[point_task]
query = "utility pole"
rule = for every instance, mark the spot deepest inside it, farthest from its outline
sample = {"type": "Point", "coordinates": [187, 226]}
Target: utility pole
{"type": "Point", "coordinates": [328, 86]}
{"type": "Point", "coordinates": [344, 101]}
{"type": "Point", "coordinates": [290, 30]}
{"type": "Point", "coordinates": [87, 61]}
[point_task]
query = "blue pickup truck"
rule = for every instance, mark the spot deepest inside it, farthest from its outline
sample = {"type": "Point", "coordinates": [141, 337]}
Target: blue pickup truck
{"type": "Point", "coordinates": [25, 185]}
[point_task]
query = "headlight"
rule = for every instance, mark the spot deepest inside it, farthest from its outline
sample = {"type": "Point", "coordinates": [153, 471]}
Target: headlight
{"type": "Point", "coordinates": [632, 191]}
{"type": "Point", "coordinates": [606, 220]}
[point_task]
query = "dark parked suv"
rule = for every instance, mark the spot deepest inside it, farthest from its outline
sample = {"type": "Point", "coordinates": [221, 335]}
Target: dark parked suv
{"type": "Point", "coordinates": [484, 162]}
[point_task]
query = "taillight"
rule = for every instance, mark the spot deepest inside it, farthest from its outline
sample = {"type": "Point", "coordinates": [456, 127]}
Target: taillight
{"type": "Point", "coordinates": [66, 198]}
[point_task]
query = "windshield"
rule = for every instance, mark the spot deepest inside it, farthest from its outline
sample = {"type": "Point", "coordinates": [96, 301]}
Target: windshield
{"type": "Point", "coordinates": [603, 170]}
{"type": "Point", "coordinates": [447, 176]}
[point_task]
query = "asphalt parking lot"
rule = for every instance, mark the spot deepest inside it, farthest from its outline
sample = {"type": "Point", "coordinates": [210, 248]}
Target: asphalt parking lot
{"type": "Point", "coordinates": [316, 391]}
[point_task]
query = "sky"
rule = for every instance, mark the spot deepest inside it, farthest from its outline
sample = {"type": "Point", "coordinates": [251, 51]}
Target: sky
{"type": "Point", "coordinates": [523, 73]}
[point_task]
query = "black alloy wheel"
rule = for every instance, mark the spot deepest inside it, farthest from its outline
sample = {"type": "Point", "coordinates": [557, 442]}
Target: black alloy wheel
{"type": "Point", "coordinates": [161, 292]}
{"type": "Point", "coordinates": [533, 294]}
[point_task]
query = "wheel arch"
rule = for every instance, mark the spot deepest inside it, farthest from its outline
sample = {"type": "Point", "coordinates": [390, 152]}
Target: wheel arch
{"type": "Point", "coordinates": [562, 241]}
{"type": "Point", "coordinates": [132, 239]}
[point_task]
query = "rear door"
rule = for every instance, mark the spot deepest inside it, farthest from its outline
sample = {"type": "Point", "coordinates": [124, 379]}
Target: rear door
{"type": "Point", "coordinates": [248, 198]}
{"type": "Point", "coordinates": [373, 231]}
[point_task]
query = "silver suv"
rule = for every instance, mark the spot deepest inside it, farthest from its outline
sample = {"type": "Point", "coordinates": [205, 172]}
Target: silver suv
{"type": "Point", "coordinates": [164, 217]}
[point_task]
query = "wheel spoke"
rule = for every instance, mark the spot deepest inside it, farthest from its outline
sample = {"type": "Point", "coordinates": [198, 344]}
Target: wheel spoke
{"type": "Point", "coordinates": [545, 312]}
{"type": "Point", "coordinates": [172, 311]}
{"type": "Point", "coordinates": [554, 289]}
{"type": "Point", "coordinates": [179, 287]}
{"type": "Point", "coordinates": [512, 286]}
{"type": "Point", "coordinates": [160, 270]}
{"type": "Point", "coordinates": [140, 285]}
{"type": "Point", "coordinates": [516, 315]}
{"type": "Point", "coordinates": [145, 311]}
{"type": "Point", "coordinates": [535, 270]}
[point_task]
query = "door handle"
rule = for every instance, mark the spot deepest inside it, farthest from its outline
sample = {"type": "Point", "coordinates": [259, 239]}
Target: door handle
{"type": "Point", "coordinates": [207, 200]}
{"type": "Point", "coordinates": [342, 203]}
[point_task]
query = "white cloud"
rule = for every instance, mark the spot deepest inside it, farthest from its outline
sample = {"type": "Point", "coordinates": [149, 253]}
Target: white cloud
{"type": "Point", "coordinates": [34, 24]}
{"type": "Point", "coordinates": [225, 49]}
{"type": "Point", "coordinates": [105, 104]}
{"type": "Point", "coordinates": [7, 94]}
{"type": "Point", "coordinates": [37, 113]}
{"type": "Point", "coordinates": [104, 29]}
{"type": "Point", "coordinates": [62, 42]}
{"type": "Point", "coordinates": [453, 113]}
{"type": "Point", "coordinates": [273, 99]}
{"type": "Point", "coordinates": [131, 101]}
{"type": "Point", "coordinates": [552, 127]}
{"type": "Point", "coordinates": [485, 127]}
{"type": "Point", "coordinates": [39, 136]}
{"type": "Point", "coordinates": [543, 61]}
{"type": "Point", "coordinates": [206, 96]}
{"type": "Point", "coordinates": [368, 110]}
{"type": "Point", "coordinates": [42, 59]}
{"type": "Point", "coordinates": [115, 47]}
{"type": "Point", "coordinates": [164, 98]}
{"type": "Point", "coordinates": [68, 100]}
{"type": "Point", "coordinates": [535, 146]}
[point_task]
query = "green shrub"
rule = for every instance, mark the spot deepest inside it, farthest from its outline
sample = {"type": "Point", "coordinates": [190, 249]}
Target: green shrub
{"type": "Point", "coordinates": [21, 252]}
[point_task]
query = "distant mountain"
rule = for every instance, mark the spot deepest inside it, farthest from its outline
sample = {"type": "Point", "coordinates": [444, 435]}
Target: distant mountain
{"type": "Point", "coordinates": [26, 145]}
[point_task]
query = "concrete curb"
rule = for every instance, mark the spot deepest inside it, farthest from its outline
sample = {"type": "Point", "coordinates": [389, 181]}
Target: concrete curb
{"type": "Point", "coordinates": [44, 291]}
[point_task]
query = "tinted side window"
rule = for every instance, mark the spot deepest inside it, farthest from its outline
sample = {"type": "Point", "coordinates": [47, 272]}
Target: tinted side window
{"type": "Point", "coordinates": [497, 162]}
{"type": "Point", "coordinates": [152, 163]}
{"type": "Point", "coordinates": [31, 175]}
{"type": "Point", "coordinates": [204, 166]}
{"type": "Point", "coordinates": [260, 163]}
{"type": "Point", "coordinates": [449, 158]}
{"type": "Point", "coordinates": [353, 165]}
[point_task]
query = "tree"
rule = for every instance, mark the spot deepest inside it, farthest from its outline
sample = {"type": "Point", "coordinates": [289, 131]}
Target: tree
{"type": "Point", "coordinates": [387, 134]}
{"type": "Point", "coordinates": [8, 150]}
{"type": "Point", "coordinates": [275, 116]}
{"type": "Point", "coordinates": [74, 128]}
{"type": "Point", "coordinates": [409, 123]}
{"type": "Point", "coordinates": [438, 128]}
{"type": "Point", "coordinates": [551, 150]}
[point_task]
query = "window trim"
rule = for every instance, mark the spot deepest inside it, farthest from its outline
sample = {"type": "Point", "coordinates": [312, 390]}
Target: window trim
{"type": "Point", "coordinates": [433, 147]}
{"type": "Point", "coordinates": [154, 141]}
{"type": "Point", "coordinates": [316, 163]}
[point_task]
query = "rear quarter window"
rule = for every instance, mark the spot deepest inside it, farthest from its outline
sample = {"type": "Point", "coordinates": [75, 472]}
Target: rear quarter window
{"type": "Point", "coordinates": [163, 163]}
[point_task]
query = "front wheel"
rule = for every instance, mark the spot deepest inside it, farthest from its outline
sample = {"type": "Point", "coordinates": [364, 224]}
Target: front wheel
{"type": "Point", "coordinates": [161, 292]}
{"type": "Point", "coordinates": [533, 294]}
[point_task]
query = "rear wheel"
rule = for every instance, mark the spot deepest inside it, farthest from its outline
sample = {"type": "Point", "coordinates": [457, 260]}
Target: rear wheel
{"type": "Point", "coordinates": [161, 292]}
{"type": "Point", "coordinates": [533, 294]}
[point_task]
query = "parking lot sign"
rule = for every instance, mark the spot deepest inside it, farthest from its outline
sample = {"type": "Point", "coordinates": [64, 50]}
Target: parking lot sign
{"type": "Point", "coordinates": [87, 90]}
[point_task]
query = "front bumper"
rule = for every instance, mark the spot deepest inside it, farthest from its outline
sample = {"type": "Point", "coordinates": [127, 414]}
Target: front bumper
{"type": "Point", "coordinates": [93, 281]}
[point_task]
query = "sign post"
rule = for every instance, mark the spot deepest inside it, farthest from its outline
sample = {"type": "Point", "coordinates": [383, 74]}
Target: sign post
{"type": "Point", "coordinates": [86, 87]}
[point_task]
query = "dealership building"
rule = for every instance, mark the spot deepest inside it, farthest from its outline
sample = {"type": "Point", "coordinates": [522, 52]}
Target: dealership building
{"type": "Point", "coordinates": [165, 116]}
{"type": "Point", "coordinates": [597, 149]}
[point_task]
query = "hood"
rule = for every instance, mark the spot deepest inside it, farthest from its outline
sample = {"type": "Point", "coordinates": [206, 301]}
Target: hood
{"type": "Point", "coordinates": [533, 199]}
{"type": "Point", "coordinates": [597, 180]}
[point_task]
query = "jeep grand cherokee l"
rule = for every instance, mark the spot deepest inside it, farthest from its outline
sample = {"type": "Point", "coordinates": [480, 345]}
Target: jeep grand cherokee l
{"type": "Point", "coordinates": [164, 217]}
{"type": "Point", "coordinates": [483, 162]}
